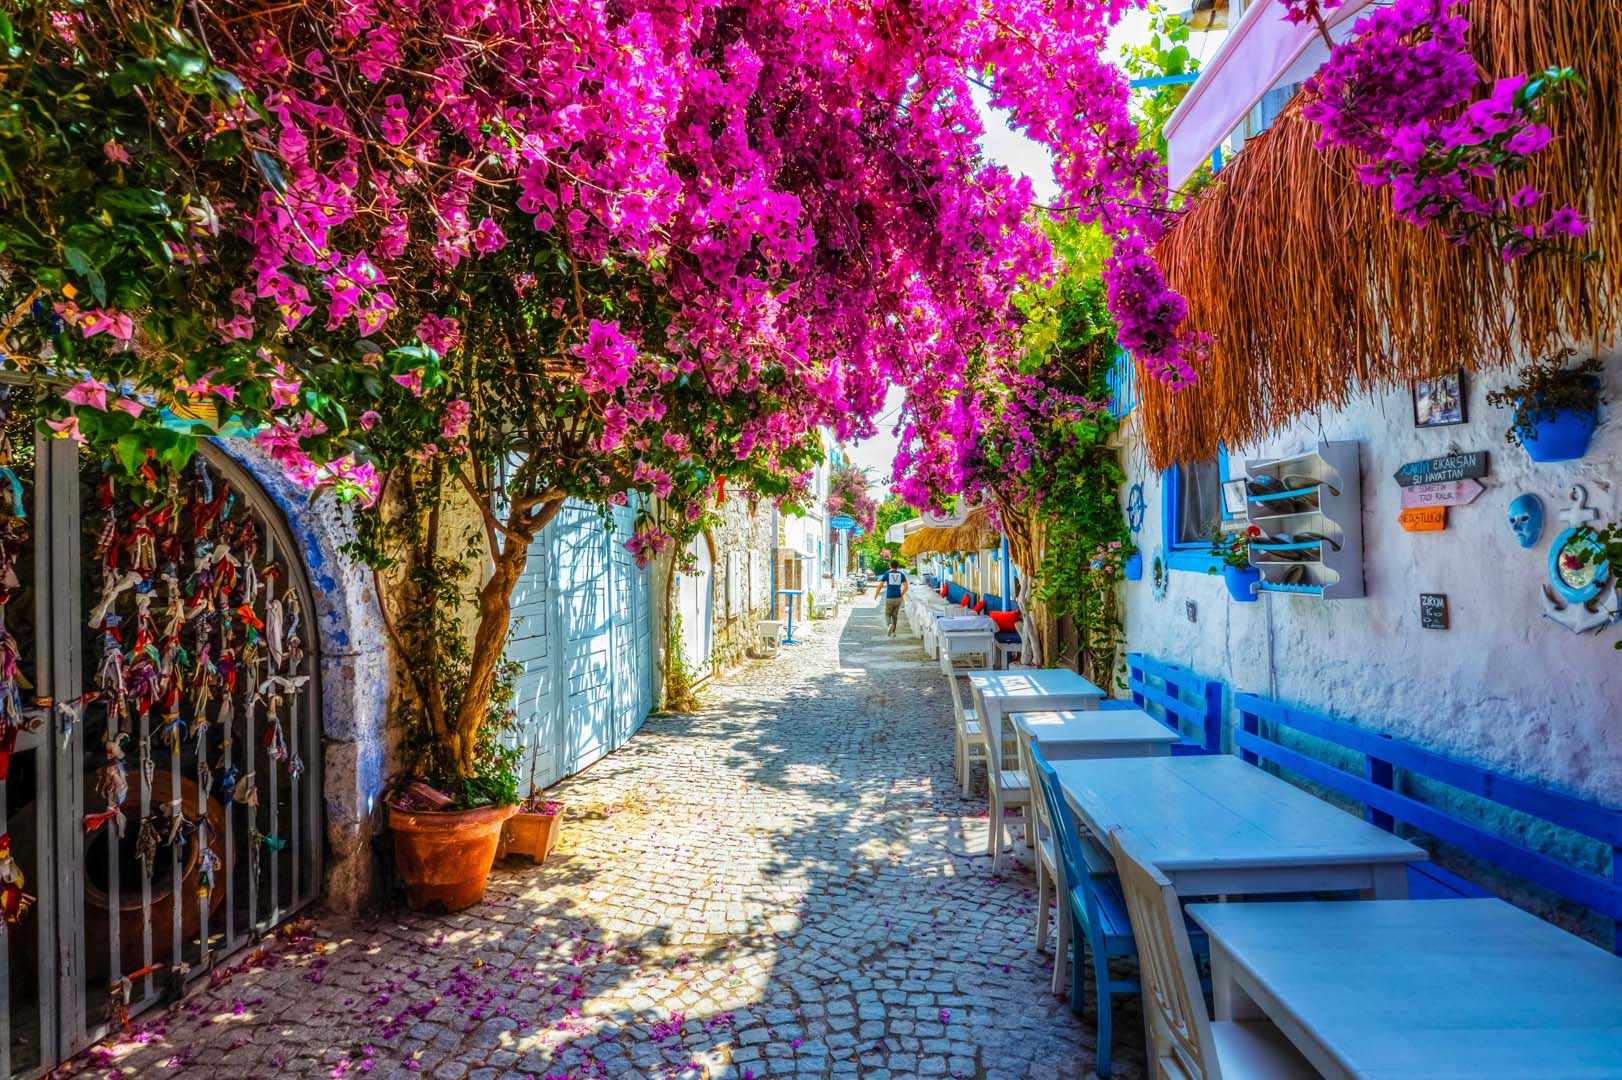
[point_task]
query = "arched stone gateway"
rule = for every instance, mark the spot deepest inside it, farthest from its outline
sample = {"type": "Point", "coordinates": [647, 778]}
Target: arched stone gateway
{"type": "Point", "coordinates": [193, 685]}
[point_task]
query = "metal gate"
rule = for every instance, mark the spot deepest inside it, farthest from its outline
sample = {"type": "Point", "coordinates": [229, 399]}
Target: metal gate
{"type": "Point", "coordinates": [581, 632]}
{"type": "Point", "coordinates": [158, 704]}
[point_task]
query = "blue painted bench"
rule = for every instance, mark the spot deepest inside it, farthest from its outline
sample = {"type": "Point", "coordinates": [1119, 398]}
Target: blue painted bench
{"type": "Point", "coordinates": [955, 593]}
{"type": "Point", "coordinates": [1189, 704]}
{"type": "Point", "coordinates": [1385, 803]}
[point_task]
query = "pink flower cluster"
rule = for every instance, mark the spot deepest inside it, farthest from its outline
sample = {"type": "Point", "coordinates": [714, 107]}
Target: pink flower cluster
{"type": "Point", "coordinates": [1399, 94]}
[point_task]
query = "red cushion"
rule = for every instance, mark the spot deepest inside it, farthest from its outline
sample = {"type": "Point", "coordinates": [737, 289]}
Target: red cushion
{"type": "Point", "coordinates": [965, 601]}
{"type": "Point", "coordinates": [980, 608]}
{"type": "Point", "coordinates": [1005, 620]}
{"type": "Point", "coordinates": [943, 590]}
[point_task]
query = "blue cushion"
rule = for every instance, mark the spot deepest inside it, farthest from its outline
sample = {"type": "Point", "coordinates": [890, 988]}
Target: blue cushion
{"type": "Point", "coordinates": [1007, 637]}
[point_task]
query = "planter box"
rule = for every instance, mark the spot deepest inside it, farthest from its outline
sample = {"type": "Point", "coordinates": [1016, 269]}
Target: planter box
{"type": "Point", "coordinates": [529, 834]}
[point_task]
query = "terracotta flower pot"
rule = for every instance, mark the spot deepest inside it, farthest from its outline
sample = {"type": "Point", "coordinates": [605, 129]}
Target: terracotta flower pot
{"type": "Point", "coordinates": [532, 834]}
{"type": "Point", "coordinates": [444, 857]}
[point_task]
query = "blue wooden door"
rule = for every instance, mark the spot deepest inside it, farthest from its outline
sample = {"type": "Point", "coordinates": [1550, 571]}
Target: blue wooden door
{"type": "Point", "coordinates": [581, 632]}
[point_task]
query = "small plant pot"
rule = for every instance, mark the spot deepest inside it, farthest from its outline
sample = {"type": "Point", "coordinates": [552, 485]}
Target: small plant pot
{"type": "Point", "coordinates": [444, 857]}
{"type": "Point", "coordinates": [1133, 568]}
{"type": "Point", "coordinates": [532, 834]}
{"type": "Point", "coordinates": [1562, 436]}
{"type": "Point", "coordinates": [1239, 580]}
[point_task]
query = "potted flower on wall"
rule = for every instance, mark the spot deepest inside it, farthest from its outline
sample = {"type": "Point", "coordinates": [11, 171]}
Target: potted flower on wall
{"type": "Point", "coordinates": [1553, 406]}
{"type": "Point", "coordinates": [1233, 548]}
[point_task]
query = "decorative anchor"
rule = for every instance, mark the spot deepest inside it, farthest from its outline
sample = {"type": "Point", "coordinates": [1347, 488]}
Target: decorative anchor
{"type": "Point", "coordinates": [1581, 594]}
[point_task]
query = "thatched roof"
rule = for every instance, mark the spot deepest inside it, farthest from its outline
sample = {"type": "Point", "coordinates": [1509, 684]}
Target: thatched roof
{"type": "Point", "coordinates": [1314, 292]}
{"type": "Point", "coordinates": [975, 534]}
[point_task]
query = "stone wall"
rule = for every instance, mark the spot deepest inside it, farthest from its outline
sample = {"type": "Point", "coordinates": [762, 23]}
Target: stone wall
{"type": "Point", "coordinates": [356, 680]}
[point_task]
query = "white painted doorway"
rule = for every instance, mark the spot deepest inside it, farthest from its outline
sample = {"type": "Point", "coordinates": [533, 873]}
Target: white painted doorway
{"type": "Point", "coordinates": [697, 597]}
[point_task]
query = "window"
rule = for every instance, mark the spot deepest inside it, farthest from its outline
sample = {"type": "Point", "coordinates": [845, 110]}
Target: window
{"type": "Point", "coordinates": [1199, 504]}
{"type": "Point", "coordinates": [1191, 506]}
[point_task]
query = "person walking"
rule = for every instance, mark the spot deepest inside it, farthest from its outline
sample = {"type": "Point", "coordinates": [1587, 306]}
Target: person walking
{"type": "Point", "coordinates": [893, 584]}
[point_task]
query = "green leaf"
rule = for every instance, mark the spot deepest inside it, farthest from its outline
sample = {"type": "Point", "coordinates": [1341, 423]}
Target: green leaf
{"type": "Point", "coordinates": [80, 264]}
{"type": "Point", "coordinates": [184, 64]}
{"type": "Point", "coordinates": [8, 34]}
{"type": "Point", "coordinates": [131, 451]}
{"type": "Point", "coordinates": [222, 147]}
{"type": "Point", "coordinates": [134, 201]}
{"type": "Point", "coordinates": [137, 73]}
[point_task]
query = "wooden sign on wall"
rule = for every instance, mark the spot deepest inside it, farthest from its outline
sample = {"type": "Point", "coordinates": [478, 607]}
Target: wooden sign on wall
{"type": "Point", "coordinates": [1440, 470]}
{"type": "Point", "coordinates": [1449, 493]}
{"type": "Point", "coordinates": [1423, 519]}
{"type": "Point", "coordinates": [1433, 611]}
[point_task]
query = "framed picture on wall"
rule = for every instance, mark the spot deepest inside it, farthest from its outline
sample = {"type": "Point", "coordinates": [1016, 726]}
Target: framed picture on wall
{"type": "Point", "coordinates": [1439, 402]}
{"type": "Point", "coordinates": [1235, 500]}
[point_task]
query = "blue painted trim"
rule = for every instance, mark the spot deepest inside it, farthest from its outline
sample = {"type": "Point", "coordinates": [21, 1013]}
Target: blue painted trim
{"type": "Point", "coordinates": [1195, 557]}
{"type": "Point", "coordinates": [1007, 580]}
{"type": "Point", "coordinates": [1292, 493]}
{"type": "Point", "coordinates": [1123, 384]}
{"type": "Point", "coordinates": [1385, 806]}
{"type": "Point", "coordinates": [1280, 586]}
{"type": "Point", "coordinates": [1184, 700]}
{"type": "Point", "coordinates": [1164, 80]}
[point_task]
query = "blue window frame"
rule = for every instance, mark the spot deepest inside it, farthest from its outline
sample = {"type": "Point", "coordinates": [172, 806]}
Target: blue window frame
{"type": "Point", "coordinates": [1123, 384]}
{"type": "Point", "coordinates": [1191, 555]}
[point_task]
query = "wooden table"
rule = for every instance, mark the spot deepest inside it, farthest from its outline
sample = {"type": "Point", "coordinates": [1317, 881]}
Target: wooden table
{"type": "Point", "coordinates": [1421, 989]}
{"type": "Point", "coordinates": [1073, 735]}
{"type": "Point", "coordinates": [1217, 826]}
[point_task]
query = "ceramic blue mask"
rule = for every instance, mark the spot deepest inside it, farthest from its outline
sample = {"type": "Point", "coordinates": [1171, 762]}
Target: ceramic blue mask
{"type": "Point", "coordinates": [1526, 518]}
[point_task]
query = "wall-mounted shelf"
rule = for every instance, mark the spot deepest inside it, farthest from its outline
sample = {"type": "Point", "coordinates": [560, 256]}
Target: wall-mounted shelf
{"type": "Point", "coordinates": [1310, 510]}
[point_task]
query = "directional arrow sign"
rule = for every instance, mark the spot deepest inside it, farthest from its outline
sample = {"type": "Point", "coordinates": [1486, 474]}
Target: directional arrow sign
{"type": "Point", "coordinates": [1451, 493]}
{"type": "Point", "coordinates": [1424, 519]}
{"type": "Point", "coordinates": [842, 521]}
{"type": "Point", "coordinates": [1438, 470]}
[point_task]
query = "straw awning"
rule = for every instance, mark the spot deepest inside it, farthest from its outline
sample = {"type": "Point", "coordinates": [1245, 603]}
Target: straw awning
{"type": "Point", "coordinates": [975, 534]}
{"type": "Point", "coordinates": [1314, 293]}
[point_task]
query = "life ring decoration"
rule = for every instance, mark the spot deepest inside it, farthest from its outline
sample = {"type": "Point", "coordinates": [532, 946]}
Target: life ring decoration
{"type": "Point", "coordinates": [1581, 594]}
{"type": "Point", "coordinates": [1135, 507]}
{"type": "Point", "coordinates": [1159, 573]}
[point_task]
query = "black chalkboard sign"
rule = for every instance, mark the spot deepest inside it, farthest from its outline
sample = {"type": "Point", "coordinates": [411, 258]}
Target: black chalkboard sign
{"type": "Point", "coordinates": [1433, 611]}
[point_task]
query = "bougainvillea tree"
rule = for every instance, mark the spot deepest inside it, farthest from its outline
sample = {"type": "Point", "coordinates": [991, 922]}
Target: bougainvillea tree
{"type": "Point", "coordinates": [847, 494]}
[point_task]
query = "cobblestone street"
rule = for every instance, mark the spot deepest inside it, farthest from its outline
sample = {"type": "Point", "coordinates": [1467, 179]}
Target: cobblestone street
{"type": "Point", "coordinates": [785, 883]}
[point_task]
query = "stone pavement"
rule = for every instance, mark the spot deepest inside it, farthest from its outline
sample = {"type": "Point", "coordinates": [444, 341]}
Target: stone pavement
{"type": "Point", "coordinates": [785, 883]}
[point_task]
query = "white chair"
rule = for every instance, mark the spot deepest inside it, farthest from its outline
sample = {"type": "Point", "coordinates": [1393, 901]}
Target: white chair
{"type": "Point", "coordinates": [770, 633]}
{"type": "Point", "coordinates": [1184, 1043]}
{"type": "Point", "coordinates": [971, 738]}
{"type": "Point", "coordinates": [957, 645]}
{"type": "Point", "coordinates": [1050, 879]}
{"type": "Point", "coordinates": [1007, 785]}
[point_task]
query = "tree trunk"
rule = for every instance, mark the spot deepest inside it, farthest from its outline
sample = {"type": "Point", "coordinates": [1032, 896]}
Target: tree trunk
{"type": "Point", "coordinates": [490, 636]}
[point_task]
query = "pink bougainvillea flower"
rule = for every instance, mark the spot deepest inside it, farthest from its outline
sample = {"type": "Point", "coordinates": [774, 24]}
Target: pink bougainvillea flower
{"type": "Point", "coordinates": [115, 323]}
{"type": "Point", "coordinates": [369, 419]}
{"type": "Point", "coordinates": [439, 334]}
{"type": "Point", "coordinates": [89, 392]}
{"type": "Point", "coordinates": [66, 429]}
{"type": "Point", "coordinates": [411, 380]}
{"type": "Point", "coordinates": [454, 424]}
{"type": "Point", "coordinates": [115, 152]}
{"type": "Point", "coordinates": [284, 393]}
{"type": "Point", "coordinates": [129, 405]}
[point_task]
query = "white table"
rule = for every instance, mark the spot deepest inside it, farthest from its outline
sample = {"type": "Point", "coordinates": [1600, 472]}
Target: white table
{"type": "Point", "coordinates": [1000, 694]}
{"type": "Point", "coordinates": [1421, 989]}
{"type": "Point", "coordinates": [1217, 826]}
{"type": "Point", "coordinates": [1094, 733]}
{"type": "Point", "coordinates": [965, 635]}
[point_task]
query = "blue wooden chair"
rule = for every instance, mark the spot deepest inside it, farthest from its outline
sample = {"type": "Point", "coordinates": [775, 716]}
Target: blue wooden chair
{"type": "Point", "coordinates": [1090, 893]}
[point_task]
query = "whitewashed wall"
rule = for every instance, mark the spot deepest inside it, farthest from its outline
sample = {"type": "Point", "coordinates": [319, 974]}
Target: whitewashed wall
{"type": "Point", "coordinates": [1504, 687]}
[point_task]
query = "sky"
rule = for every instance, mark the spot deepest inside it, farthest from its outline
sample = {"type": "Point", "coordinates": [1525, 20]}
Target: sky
{"type": "Point", "coordinates": [1024, 158]}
